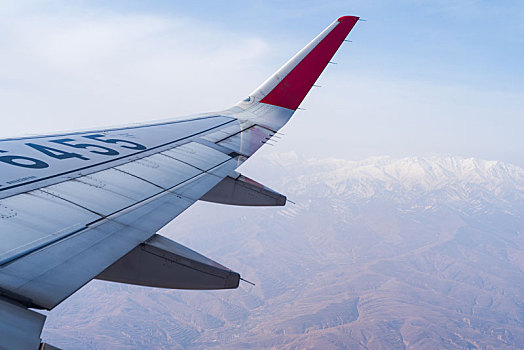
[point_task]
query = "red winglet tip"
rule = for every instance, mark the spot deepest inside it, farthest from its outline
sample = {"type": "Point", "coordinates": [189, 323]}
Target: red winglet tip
{"type": "Point", "coordinates": [344, 18]}
{"type": "Point", "coordinates": [293, 88]}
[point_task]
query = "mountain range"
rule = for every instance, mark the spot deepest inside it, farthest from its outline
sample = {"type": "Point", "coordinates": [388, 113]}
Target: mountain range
{"type": "Point", "coordinates": [383, 253]}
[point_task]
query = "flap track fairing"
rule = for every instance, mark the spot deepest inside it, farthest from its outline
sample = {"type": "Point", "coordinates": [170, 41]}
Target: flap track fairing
{"type": "Point", "coordinates": [163, 263]}
{"type": "Point", "coordinates": [241, 190]}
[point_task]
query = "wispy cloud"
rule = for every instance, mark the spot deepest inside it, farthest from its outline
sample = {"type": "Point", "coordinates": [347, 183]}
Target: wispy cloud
{"type": "Point", "coordinates": [69, 69]}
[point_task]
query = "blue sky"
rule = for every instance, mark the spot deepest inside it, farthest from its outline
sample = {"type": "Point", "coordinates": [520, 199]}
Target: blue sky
{"type": "Point", "coordinates": [420, 77]}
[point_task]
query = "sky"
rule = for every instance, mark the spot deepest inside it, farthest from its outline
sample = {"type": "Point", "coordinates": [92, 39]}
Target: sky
{"type": "Point", "coordinates": [418, 78]}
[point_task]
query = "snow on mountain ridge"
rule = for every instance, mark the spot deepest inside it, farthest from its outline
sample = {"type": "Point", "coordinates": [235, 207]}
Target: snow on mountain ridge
{"type": "Point", "coordinates": [443, 177]}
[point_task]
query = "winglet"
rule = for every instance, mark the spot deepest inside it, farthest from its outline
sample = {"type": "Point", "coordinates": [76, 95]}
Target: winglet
{"type": "Point", "coordinates": [291, 83]}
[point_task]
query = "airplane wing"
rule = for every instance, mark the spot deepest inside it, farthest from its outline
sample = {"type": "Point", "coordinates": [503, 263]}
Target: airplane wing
{"type": "Point", "coordinates": [84, 205]}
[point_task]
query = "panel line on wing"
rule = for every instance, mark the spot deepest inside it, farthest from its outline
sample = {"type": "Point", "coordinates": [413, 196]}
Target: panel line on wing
{"type": "Point", "coordinates": [140, 178]}
{"type": "Point", "coordinates": [168, 156]}
{"type": "Point", "coordinates": [71, 202]}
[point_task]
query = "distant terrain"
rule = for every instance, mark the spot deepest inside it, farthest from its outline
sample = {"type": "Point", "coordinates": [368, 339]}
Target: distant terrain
{"type": "Point", "coordinates": [421, 253]}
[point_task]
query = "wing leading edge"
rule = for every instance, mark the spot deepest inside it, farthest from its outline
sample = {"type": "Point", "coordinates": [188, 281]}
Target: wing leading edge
{"type": "Point", "coordinates": [86, 205]}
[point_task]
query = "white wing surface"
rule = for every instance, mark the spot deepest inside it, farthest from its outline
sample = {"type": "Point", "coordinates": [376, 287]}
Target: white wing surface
{"type": "Point", "coordinates": [86, 205]}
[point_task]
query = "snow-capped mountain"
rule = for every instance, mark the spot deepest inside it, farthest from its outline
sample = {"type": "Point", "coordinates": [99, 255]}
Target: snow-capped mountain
{"type": "Point", "coordinates": [423, 181]}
